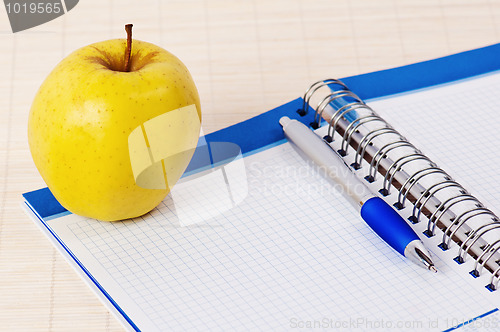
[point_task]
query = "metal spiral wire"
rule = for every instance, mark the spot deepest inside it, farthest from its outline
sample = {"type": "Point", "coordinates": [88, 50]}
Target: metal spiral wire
{"type": "Point", "coordinates": [411, 154]}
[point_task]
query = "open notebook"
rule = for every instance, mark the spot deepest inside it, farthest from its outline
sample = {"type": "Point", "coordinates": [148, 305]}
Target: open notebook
{"type": "Point", "coordinates": [290, 251]}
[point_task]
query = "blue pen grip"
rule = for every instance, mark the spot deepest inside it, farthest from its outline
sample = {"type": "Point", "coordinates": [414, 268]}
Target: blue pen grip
{"type": "Point", "coordinates": [388, 224]}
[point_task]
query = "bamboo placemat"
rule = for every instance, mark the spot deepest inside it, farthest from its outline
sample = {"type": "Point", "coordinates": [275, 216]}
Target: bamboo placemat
{"type": "Point", "coordinates": [245, 56]}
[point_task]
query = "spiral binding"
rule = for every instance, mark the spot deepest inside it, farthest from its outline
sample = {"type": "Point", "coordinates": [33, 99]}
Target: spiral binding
{"type": "Point", "coordinates": [339, 91]}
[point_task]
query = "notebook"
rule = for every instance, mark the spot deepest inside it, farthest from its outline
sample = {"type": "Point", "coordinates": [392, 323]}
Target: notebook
{"type": "Point", "coordinates": [260, 241]}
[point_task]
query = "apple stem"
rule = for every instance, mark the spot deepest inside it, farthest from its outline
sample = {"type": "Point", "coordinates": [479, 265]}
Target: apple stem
{"type": "Point", "coordinates": [128, 50]}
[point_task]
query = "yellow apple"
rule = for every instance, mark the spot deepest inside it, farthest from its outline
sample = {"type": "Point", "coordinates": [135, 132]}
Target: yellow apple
{"type": "Point", "coordinates": [108, 121]}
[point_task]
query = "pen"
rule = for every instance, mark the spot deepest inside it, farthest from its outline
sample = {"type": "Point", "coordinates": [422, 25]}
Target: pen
{"type": "Point", "coordinates": [379, 215]}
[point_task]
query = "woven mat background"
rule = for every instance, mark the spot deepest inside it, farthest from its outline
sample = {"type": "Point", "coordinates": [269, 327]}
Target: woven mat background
{"type": "Point", "coordinates": [246, 58]}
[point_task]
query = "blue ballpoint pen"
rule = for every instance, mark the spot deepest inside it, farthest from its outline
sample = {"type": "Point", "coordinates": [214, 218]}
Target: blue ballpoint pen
{"type": "Point", "coordinates": [379, 215]}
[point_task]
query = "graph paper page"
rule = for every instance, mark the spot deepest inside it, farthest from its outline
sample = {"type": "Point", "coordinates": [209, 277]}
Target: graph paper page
{"type": "Point", "coordinates": [456, 125]}
{"type": "Point", "coordinates": [293, 253]}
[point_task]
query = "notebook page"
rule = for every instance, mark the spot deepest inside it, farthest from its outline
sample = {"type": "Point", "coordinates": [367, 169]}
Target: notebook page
{"type": "Point", "coordinates": [458, 126]}
{"type": "Point", "coordinates": [293, 253]}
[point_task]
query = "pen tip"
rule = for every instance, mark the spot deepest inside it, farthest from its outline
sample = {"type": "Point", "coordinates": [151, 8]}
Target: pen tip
{"type": "Point", "coordinates": [417, 253]}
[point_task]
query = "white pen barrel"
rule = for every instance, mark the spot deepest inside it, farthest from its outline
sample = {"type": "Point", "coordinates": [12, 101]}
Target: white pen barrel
{"type": "Point", "coordinates": [327, 161]}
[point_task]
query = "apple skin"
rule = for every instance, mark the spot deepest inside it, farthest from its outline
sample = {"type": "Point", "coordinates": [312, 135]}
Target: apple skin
{"type": "Point", "coordinates": [81, 118]}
